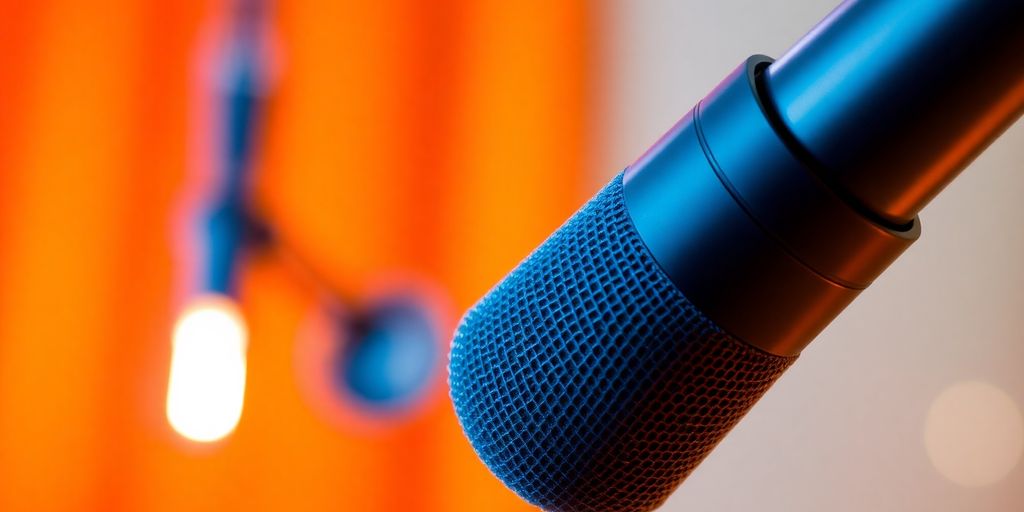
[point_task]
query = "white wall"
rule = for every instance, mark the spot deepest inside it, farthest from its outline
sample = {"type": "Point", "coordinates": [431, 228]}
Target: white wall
{"type": "Point", "coordinates": [844, 429]}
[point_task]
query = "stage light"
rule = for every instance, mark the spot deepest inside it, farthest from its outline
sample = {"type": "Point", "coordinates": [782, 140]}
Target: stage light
{"type": "Point", "coordinates": [208, 366]}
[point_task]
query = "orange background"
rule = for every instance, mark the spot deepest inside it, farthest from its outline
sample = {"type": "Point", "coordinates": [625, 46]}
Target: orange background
{"type": "Point", "coordinates": [438, 139]}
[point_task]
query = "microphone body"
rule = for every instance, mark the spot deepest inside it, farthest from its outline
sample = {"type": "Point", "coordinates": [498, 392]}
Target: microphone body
{"type": "Point", "coordinates": [607, 365]}
{"type": "Point", "coordinates": [587, 381]}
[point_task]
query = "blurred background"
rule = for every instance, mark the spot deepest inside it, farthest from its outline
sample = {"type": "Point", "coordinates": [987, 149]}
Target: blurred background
{"type": "Point", "coordinates": [328, 185]}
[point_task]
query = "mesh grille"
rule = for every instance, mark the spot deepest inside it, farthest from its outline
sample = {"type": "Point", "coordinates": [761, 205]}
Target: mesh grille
{"type": "Point", "coordinates": [586, 381]}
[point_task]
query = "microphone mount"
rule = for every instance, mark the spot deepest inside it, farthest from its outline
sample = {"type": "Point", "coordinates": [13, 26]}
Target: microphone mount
{"type": "Point", "coordinates": [888, 101]}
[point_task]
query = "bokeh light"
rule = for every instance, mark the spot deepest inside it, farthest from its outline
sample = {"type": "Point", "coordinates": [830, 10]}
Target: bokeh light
{"type": "Point", "coordinates": [208, 364]}
{"type": "Point", "coordinates": [974, 433]}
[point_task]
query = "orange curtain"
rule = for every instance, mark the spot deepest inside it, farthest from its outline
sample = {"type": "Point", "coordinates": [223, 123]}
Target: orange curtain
{"type": "Point", "coordinates": [439, 140]}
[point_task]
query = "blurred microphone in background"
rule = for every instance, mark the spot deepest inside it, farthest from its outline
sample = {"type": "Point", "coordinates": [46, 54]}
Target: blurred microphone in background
{"type": "Point", "coordinates": [375, 355]}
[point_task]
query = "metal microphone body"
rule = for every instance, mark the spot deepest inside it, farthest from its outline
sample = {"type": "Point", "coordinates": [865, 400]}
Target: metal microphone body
{"type": "Point", "coordinates": [603, 369]}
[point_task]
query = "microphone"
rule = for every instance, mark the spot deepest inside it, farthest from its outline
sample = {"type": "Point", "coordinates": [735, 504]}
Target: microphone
{"type": "Point", "coordinates": [608, 364]}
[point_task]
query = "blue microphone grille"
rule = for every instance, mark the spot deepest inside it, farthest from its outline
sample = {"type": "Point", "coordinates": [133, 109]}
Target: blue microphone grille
{"type": "Point", "coordinates": [586, 381]}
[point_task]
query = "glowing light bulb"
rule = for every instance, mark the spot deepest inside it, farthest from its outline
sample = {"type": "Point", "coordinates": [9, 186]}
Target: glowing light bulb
{"type": "Point", "coordinates": [207, 382]}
